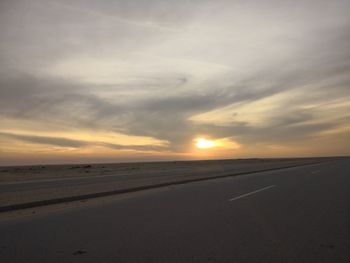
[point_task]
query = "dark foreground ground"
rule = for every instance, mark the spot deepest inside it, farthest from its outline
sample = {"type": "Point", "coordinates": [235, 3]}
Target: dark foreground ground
{"type": "Point", "coordinates": [298, 214]}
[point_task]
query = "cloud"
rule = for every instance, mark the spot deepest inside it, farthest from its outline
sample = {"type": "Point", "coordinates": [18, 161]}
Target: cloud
{"type": "Point", "coordinates": [271, 72]}
{"type": "Point", "coordinates": [70, 143]}
{"type": "Point", "coordinates": [62, 142]}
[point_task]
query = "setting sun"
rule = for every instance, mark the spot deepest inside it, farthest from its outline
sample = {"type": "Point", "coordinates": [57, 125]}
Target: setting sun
{"type": "Point", "coordinates": [204, 143]}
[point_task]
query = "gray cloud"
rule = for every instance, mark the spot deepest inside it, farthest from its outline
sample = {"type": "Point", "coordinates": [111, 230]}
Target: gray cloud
{"type": "Point", "coordinates": [63, 142]}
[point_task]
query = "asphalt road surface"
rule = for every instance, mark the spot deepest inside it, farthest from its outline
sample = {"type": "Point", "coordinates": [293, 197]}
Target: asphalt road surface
{"type": "Point", "coordinates": [33, 184]}
{"type": "Point", "coordinates": [293, 215]}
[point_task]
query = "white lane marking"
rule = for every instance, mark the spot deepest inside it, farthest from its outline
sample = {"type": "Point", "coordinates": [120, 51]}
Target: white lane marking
{"type": "Point", "coordinates": [250, 193]}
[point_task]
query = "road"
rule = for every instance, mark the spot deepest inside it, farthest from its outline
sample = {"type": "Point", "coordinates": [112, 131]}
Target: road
{"type": "Point", "coordinates": [142, 171]}
{"type": "Point", "coordinates": [293, 215]}
{"type": "Point", "coordinates": [37, 184]}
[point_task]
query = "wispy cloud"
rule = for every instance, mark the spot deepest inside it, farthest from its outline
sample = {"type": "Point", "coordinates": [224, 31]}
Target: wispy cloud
{"type": "Point", "coordinates": [70, 143]}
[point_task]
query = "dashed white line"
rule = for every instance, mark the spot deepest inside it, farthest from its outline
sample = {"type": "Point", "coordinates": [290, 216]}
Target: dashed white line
{"type": "Point", "coordinates": [250, 193]}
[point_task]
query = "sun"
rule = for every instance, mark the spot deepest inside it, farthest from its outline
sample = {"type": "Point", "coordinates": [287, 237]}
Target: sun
{"type": "Point", "coordinates": [203, 143]}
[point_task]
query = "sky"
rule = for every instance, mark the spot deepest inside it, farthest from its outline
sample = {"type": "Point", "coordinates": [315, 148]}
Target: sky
{"type": "Point", "coordinates": [145, 80]}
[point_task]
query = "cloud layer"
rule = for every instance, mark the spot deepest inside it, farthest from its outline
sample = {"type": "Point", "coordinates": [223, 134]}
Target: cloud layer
{"type": "Point", "coordinates": [270, 76]}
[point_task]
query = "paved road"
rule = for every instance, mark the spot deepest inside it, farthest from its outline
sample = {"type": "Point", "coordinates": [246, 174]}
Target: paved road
{"type": "Point", "coordinates": [120, 177]}
{"type": "Point", "coordinates": [293, 215]}
{"type": "Point", "coordinates": [155, 171]}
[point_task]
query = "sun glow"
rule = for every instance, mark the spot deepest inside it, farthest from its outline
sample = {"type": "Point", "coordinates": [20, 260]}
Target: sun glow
{"type": "Point", "coordinates": [203, 143]}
